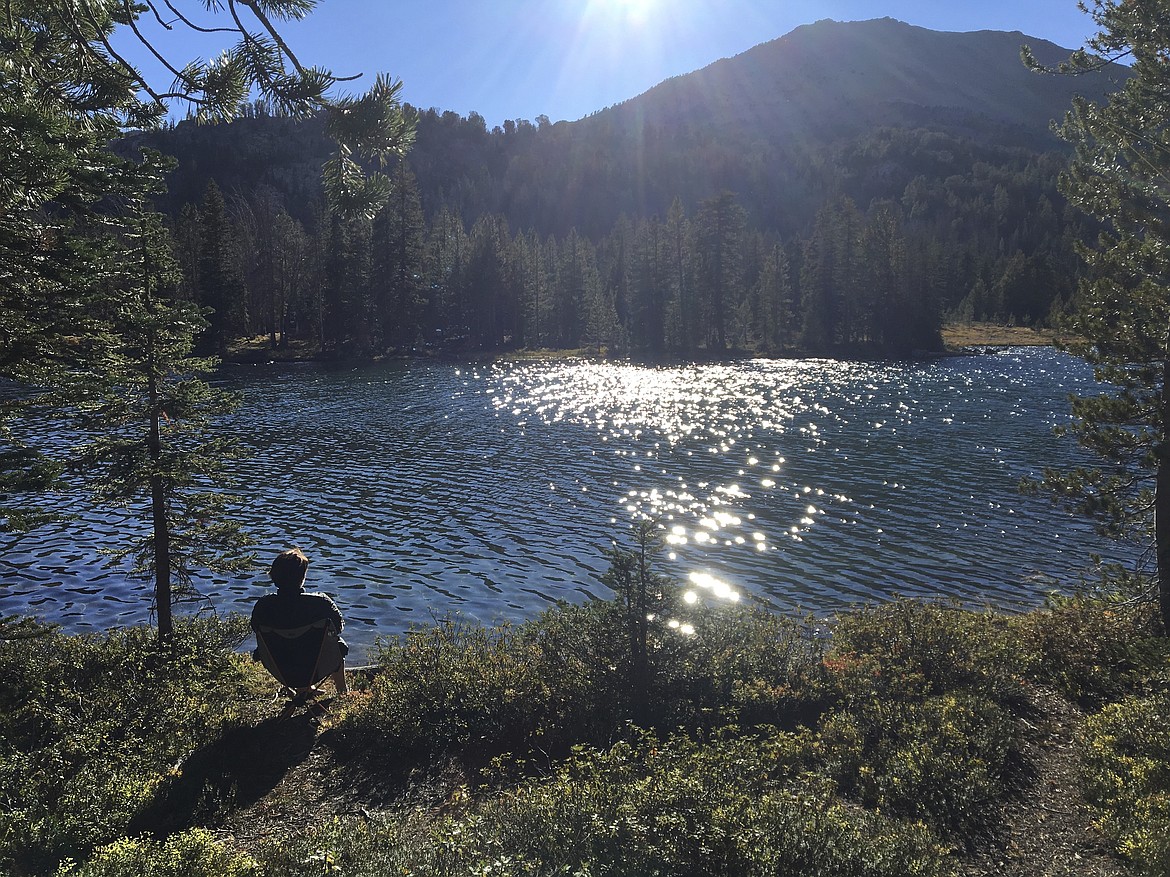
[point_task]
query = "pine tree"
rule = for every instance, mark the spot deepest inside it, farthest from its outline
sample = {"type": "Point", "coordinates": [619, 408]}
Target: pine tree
{"type": "Point", "coordinates": [774, 293]}
{"type": "Point", "coordinates": [152, 417]}
{"type": "Point", "coordinates": [684, 314]}
{"type": "Point", "coordinates": [648, 305]}
{"type": "Point", "coordinates": [84, 324]}
{"type": "Point", "coordinates": [398, 251]}
{"type": "Point", "coordinates": [1121, 320]}
{"type": "Point", "coordinates": [293, 305]}
{"type": "Point", "coordinates": [220, 288]}
{"type": "Point", "coordinates": [646, 599]}
{"type": "Point", "coordinates": [718, 228]}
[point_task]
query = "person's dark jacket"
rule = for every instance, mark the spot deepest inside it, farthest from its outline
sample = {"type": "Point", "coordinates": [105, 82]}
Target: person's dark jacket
{"type": "Point", "coordinates": [286, 609]}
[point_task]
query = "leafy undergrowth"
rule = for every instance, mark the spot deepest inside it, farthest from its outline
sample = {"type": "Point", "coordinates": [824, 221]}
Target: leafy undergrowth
{"type": "Point", "coordinates": [904, 739]}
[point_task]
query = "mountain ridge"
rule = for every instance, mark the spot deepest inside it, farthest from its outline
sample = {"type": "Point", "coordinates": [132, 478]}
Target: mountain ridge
{"type": "Point", "coordinates": [847, 55]}
{"type": "Point", "coordinates": [764, 124]}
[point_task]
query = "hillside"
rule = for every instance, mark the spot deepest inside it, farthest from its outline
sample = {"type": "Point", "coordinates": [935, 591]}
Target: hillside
{"type": "Point", "coordinates": [839, 191]}
{"type": "Point", "coordinates": [832, 79]}
{"type": "Point", "coordinates": [768, 124]}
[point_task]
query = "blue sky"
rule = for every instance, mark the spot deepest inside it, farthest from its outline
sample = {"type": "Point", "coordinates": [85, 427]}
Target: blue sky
{"type": "Point", "coordinates": [517, 59]}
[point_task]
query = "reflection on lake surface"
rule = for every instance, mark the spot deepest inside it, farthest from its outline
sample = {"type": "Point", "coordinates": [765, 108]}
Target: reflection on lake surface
{"type": "Point", "coordinates": [419, 488]}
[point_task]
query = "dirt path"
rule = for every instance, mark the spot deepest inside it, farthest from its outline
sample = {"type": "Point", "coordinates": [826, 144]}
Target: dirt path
{"type": "Point", "coordinates": [1048, 831]}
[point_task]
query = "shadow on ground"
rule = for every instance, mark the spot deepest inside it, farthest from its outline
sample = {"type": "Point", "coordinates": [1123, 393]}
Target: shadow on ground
{"type": "Point", "coordinates": [237, 769]}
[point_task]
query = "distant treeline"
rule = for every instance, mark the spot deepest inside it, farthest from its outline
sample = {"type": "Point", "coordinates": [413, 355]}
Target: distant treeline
{"type": "Point", "coordinates": [866, 273]}
{"type": "Point", "coordinates": [571, 234]}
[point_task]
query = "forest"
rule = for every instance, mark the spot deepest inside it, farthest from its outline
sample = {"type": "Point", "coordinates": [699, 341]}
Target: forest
{"type": "Point", "coordinates": [762, 205]}
{"type": "Point", "coordinates": [872, 270]}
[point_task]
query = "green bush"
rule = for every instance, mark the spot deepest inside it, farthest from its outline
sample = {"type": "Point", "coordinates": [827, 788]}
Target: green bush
{"type": "Point", "coordinates": [1092, 650]}
{"type": "Point", "coordinates": [193, 853]}
{"type": "Point", "coordinates": [944, 760]}
{"type": "Point", "coordinates": [737, 805]}
{"type": "Point", "coordinates": [90, 727]}
{"type": "Point", "coordinates": [910, 649]}
{"type": "Point", "coordinates": [454, 686]}
{"type": "Point", "coordinates": [563, 679]}
{"type": "Point", "coordinates": [1126, 756]}
{"type": "Point", "coordinates": [742, 666]}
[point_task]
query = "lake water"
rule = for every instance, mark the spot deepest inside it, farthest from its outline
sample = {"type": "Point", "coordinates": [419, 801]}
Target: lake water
{"type": "Point", "coordinates": [493, 490]}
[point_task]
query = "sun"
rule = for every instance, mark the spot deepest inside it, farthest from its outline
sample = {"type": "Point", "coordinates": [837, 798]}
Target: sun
{"type": "Point", "coordinates": [624, 11]}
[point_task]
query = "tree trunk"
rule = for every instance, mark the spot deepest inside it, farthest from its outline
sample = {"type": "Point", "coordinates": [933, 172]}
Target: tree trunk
{"type": "Point", "coordinates": [1162, 505]}
{"type": "Point", "coordinates": [162, 558]}
{"type": "Point", "coordinates": [158, 505]}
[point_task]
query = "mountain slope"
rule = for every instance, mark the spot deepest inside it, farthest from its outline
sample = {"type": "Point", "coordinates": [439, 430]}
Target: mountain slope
{"type": "Point", "coordinates": [777, 125]}
{"type": "Point", "coordinates": [836, 77]}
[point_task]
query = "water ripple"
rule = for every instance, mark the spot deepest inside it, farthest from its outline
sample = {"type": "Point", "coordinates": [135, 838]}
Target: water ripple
{"type": "Point", "coordinates": [419, 489]}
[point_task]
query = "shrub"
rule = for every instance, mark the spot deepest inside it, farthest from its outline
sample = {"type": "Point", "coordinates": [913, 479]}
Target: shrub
{"type": "Point", "coordinates": [735, 806]}
{"type": "Point", "coordinates": [913, 649]}
{"type": "Point", "coordinates": [453, 686]}
{"type": "Point", "coordinates": [743, 666]}
{"type": "Point", "coordinates": [943, 760]}
{"type": "Point", "coordinates": [91, 726]}
{"type": "Point", "coordinates": [193, 853]}
{"type": "Point", "coordinates": [1126, 758]}
{"type": "Point", "coordinates": [563, 679]}
{"type": "Point", "coordinates": [1092, 650]}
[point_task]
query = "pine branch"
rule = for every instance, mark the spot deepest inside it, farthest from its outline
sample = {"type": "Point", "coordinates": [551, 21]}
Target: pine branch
{"type": "Point", "coordinates": [142, 39]}
{"type": "Point", "coordinates": [272, 32]}
{"type": "Point", "coordinates": [180, 17]}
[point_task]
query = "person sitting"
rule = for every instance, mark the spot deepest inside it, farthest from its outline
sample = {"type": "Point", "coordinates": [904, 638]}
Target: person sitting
{"type": "Point", "coordinates": [298, 633]}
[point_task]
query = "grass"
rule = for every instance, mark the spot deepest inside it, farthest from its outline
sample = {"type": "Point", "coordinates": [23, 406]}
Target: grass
{"type": "Point", "coordinates": [963, 335]}
{"type": "Point", "coordinates": [906, 742]}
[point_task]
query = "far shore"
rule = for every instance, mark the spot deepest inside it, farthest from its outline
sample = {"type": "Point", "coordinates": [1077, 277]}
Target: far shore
{"type": "Point", "coordinates": [957, 337]}
{"type": "Point", "coordinates": [962, 335]}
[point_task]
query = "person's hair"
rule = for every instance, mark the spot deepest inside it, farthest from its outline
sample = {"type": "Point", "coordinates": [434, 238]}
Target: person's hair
{"type": "Point", "coordinates": [288, 570]}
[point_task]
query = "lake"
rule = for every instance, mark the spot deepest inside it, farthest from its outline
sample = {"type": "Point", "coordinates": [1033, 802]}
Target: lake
{"type": "Point", "coordinates": [492, 490]}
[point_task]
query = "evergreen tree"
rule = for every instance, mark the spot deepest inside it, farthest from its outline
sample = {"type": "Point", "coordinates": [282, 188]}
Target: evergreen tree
{"type": "Point", "coordinates": [646, 600]}
{"type": "Point", "coordinates": [153, 415]}
{"type": "Point", "coordinates": [569, 293]}
{"type": "Point", "coordinates": [534, 278]}
{"type": "Point", "coordinates": [495, 303]}
{"type": "Point", "coordinates": [684, 314]}
{"type": "Point", "coordinates": [84, 323]}
{"type": "Point", "coordinates": [774, 294]}
{"type": "Point", "coordinates": [293, 290]}
{"type": "Point", "coordinates": [647, 318]}
{"type": "Point", "coordinates": [348, 319]}
{"type": "Point", "coordinates": [220, 287]}
{"type": "Point", "coordinates": [447, 254]}
{"type": "Point", "coordinates": [718, 230]}
{"type": "Point", "coordinates": [398, 250]}
{"type": "Point", "coordinates": [254, 222]}
{"type": "Point", "coordinates": [820, 315]}
{"type": "Point", "coordinates": [1122, 311]}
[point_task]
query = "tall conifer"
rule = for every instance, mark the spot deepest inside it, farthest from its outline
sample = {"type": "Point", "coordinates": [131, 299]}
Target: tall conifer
{"type": "Point", "coordinates": [1121, 320]}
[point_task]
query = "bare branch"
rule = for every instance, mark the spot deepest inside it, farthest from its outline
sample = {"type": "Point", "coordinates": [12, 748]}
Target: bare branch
{"type": "Point", "coordinates": [158, 17]}
{"type": "Point", "coordinates": [272, 32]}
{"type": "Point", "coordinates": [192, 24]}
{"type": "Point", "coordinates": [142, 39]}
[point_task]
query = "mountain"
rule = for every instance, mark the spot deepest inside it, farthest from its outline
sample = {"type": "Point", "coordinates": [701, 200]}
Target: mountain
{"type": "Point", "coordinates": [774, 125]}
{"type": "Point", "coordinates": [831, 79]}
{"type": "Point", "coordinates": [835, 191]}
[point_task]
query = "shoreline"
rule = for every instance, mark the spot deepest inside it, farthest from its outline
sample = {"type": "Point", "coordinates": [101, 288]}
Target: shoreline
{"type": "Point", "coordinates": [961, 336]}
{"type": "Point", "coordinates": [958, 339]}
